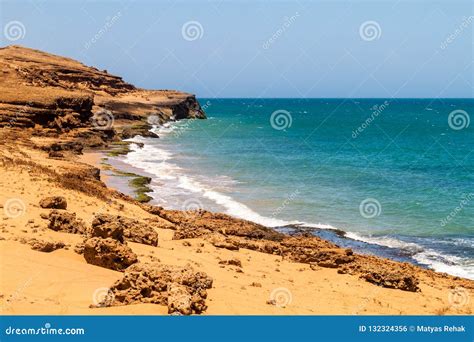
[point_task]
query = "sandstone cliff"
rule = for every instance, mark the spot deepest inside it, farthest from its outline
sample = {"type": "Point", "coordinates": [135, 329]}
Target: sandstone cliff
{"type": "Point", "coordinates": [54, 95]}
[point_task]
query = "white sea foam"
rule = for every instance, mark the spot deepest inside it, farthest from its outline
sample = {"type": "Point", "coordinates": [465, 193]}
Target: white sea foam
{"type": "Point", "coordinates": [175, 181]}
{"type": "Point", "coordinates": [437, 261]}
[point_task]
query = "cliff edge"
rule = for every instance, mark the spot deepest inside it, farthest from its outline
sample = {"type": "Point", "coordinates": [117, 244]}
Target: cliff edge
{"type": "Point", "coordinates": [50, 95]}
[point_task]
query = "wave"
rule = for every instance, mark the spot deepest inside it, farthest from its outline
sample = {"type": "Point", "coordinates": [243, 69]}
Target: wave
{"type": "Point", "coordinates": [436, 260]}
{"type": "Point", "coordinates": [177, 182]}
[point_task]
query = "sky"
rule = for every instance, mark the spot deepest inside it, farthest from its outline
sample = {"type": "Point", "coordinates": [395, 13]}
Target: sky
{"type": "Point", "coordinates": [304, 49]}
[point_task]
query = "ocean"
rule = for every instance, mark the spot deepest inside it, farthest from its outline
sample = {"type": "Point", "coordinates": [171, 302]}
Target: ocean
{"type": "Point", "coordinates": [389, 177]}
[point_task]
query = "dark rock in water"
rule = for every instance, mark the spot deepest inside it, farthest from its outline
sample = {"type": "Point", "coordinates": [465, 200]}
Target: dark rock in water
{"type": "Point", "coordinates": [66, 222]}
{"type": "Point", "coordinates": [108, 253]}
{"type": "Point", "coordinates": [55, 202]}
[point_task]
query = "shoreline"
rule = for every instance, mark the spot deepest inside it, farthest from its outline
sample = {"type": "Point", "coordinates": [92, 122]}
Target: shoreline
{"type": "Point", "coordinates": [345, 239]}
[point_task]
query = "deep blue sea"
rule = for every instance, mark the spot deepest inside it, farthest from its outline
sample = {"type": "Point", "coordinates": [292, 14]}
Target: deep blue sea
{"type": "Point", "coordinates": [383, 176]}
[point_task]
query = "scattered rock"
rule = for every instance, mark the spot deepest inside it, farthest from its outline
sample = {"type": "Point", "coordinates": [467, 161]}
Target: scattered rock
{"type": "Point", "coordinates": [393, 279]}
{"type": "Point", "coordinates": [132, 230]}
{"type": "Point", "coordinates": [79, 248]}
{"type": "Point", "coordinates": [180, 288]}
{"type": "Point", "coordinates": [107, 229]}
{"type": "Point", "coordinates": [108, 253]}
{"type": "Point", "coordinates": [226, 245]}
{"type": "Point", "coordinates": [54, 202]}
{"type": "Point", "coordinates": [235, 262]}
{"type": "Point", "coordinates": [254, 284]}
{"type": "Point", "coordinates": [55, 155]}
{"type": "Point", "coordinates": [66, 222]}
{"type": "Point", "coordinates": [179, 299]}
{"type": "Point", "coordinates": [45, 246]}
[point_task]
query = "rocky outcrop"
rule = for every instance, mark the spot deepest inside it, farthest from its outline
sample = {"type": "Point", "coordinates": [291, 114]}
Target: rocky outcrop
{"type": "Point", "coordinates": [54, 94]}
{"type": "Point", "coordinates": [54, 202]}
{"type": "Point", "coordinates": [46, 246]}
{"type": "Point", "coordinates": [108, 253]}
{"type": "Point", "coordinates": [180, 288]}
{"type": "Point", "coordinates": [224, 231]}
{"type": "Point", "coordinates": [124, 228]}
{"type": "Point", "coordinates": [61, 221]}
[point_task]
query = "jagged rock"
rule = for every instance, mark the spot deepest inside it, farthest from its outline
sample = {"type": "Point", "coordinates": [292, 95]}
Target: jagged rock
{"type": "Point", "coordinates": [179, 299]}
{"type": "Point", "coordinates": [226, 245]}
{"type": "Point", "coordinates": [234, 262]}
{"type": "Point", "coordinates": [45, 246]}
{"type": "Point", "coordinates": [79, 248]}
{"type": "Point", "coordinates": [54, 202]}
{"type": "Point", "coordinates": [66, 222]}
{"type": "Point", "coordinates": [56, 95]}
{"type": "Point", "coordinates": [180, 288]}
{"type": "Point", "coordinates": [104, 228]}
{"type": "Point", "coordinates": [108, 253]}
{"type": "Point", "coordinates": [132, 230]}
{"type": "Point", "coordinates": [196, 223]}
{"type": "Point", "coordinates": [73, 146]}
{"type": "Point", "coordinates": [394, 279]}
{"type": "Point", "coordinates": [55, 155]}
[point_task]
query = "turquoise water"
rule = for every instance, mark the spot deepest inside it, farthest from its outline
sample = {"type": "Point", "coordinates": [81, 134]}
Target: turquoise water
{"type": "Point", "coordinates": [395, 174]}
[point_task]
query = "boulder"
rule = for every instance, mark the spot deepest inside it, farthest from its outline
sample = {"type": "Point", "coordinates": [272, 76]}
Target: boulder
{"type": "Point", "coordinates": [65, 222]}
{"type": "Point", "coordinates": [45, 246]}
{"type": "Point", "coordinates": [54, 202]}
{"type": "Point", "coordinates": [234, 262]}
{"type": "Point", "coordinates": [180, 288]}
{"type": "Point", "coordinates": [179, 299]}
{"type": "Point", "coordinates": [131, 230]}
{"type": "Point", "coordinates": [107, 228]}
{"type": "Point", "coordinates": [108, 253]}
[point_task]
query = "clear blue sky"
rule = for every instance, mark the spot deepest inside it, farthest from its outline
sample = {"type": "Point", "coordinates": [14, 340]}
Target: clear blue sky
{"type": "Point", "coordinates": [319, 52]}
